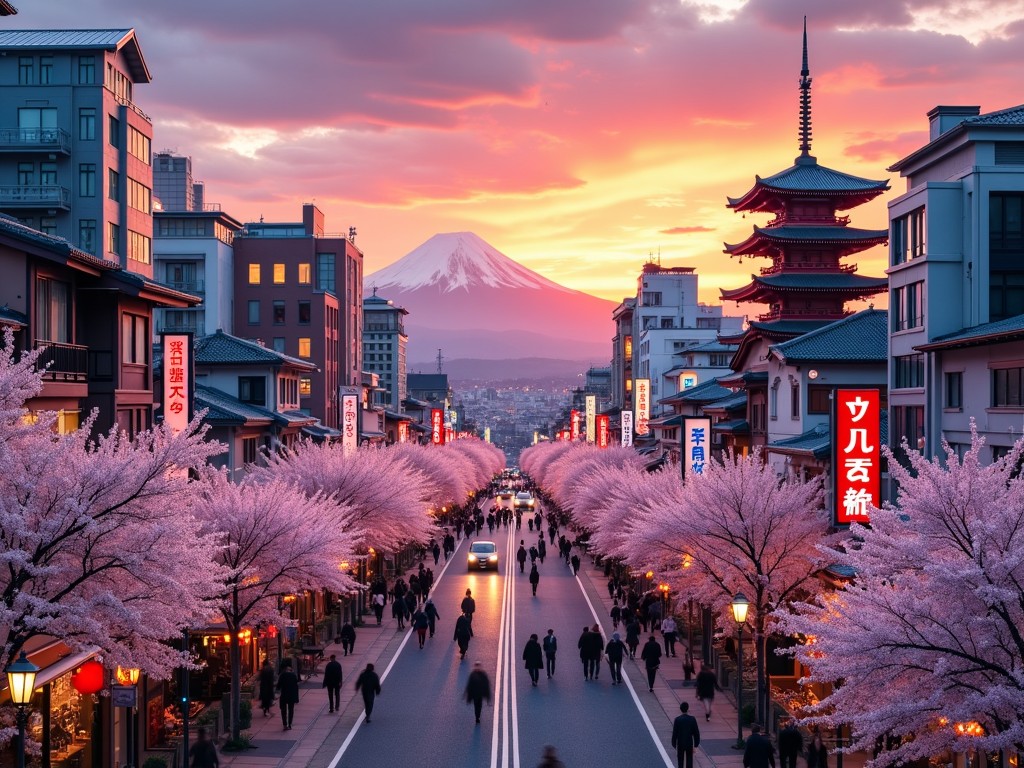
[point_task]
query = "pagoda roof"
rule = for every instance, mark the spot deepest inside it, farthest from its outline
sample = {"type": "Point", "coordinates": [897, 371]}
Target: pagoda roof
{"type": "Point", "coordinates": [861, 337]}
{"type": "Point", "coordinates": [706, 392]}
{"type": "Point", "coordinates": [802, 282]}
{"type": "Point", "coordinates": [806, 178]}
{"type": "Point", "coordinates": [853, 238]}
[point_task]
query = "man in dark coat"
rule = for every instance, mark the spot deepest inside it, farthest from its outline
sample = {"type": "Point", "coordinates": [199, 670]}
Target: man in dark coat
{"type": "Point", "coordinates": [203, 753]}
{"type": "Point", "coordinates": [615, 651]}
{"type": "Point", "coordinates": [478, 688]}
{"type": "Point", "coordinates": [791, 744]}
{"type": "Point", "coordinates": [420, 623]}
{"type": "Point", "coordinates": [534, 578]}
{"type": "Point", "coordinates": [369, 685]}
{"type": "Point", "coordinates": [348, 638]}
{"type": "Point", "coordinates": [288, 687]}
{"type": "Point", "coordinates": [575, 561]}
{"type": "Point", "coordinates": [706, 685]}
{"type": "Point", "coordinates": [432, 615]}
{"type": "Point", "coordinates": [521, 556]}
{"type": "Point", "coordinates": [469, 605]}
{"type": "Point", "coordinates": [550, 649]}
{"type": "Point", "coordinates": [685, 736]}
{"type": "Point", "coordinates": [651, 656]}
{"type": "Point", "coordinates": [584, 645]}
{"type": "Point", "coordinates": [266, 687]}
{"type": "Point", "coordinates": [595, 648]}
{"type": "Point", "coordinates": [463, 632]}
{"type": "Point", "coordinates": [332, 682]}
{"type": "Point", "coordinates": [534, 658]}
{"type": "Point", "coordinates": [759, 752]}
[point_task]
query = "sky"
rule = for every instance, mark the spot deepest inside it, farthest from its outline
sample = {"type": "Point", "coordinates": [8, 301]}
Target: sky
{"type": "Point", "coordinates": [579, 137]}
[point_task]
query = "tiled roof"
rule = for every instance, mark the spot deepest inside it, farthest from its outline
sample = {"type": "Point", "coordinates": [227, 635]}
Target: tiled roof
{"type": "Point", "coordinates": [818, 441]}
{"type": "Point", "coordinates": [222, 348]}
{"type": "Point", "coordinates": [733, 426]}
{"type": "Point", "coordinates": [988, 333]}
{"type": "Point", "coordinates": [805, 175]}
{"type": "Point", "coordinates": [795, 233]}
{"type": "Point", "coordinates": [787, 327]}
{"type": "Point", "coordinates": [705, 392]}
{"type": "Point", "coordinates": [225, 408]}
{"type": "Point", "coordinates": [861, 337]}
{"type": "Point", "coordinates": [711, 346]}
{"type": "Point", "coordinates": [100, 39]}
{"type": "Point", "coordinates": [1009, 116]}
{"type": "Point", "coordinates": [735, 402]}
{"type": "Point", "coordinates": [744, 377]}
{"type": "Point", "coordinates": [320, 431]}
{"type": "Point", "coordinates": [10, 316]}
{"type": "Point", "coordinates": [665, 422]}
{"type": "Point", "coordinates": [823, 280]}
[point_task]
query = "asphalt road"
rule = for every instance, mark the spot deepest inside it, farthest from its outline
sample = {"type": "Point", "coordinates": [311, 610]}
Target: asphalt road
{"type": "Point", "coordinates": [422, 719]}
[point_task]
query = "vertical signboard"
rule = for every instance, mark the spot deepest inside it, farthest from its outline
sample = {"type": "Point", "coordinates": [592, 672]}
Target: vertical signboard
{"type": "Point", "coordinates": [856, 468]}
{"type": "Point", "coordinates": [602, 431]}
{"type": "Point", "coordinates": [437, 426]}
{"type": "Point", "coordinates": [403, 432]}
{"type": "Point", "coordinates": [696, 442]}
{"type": "Point", "coordinates": [591, 412]}
{"type": "Point", "coordinates": [564, 435]}
{"type": "Point", "coordinates": [349, 422]}
{"type": "Point", "coordinates": [178, 380]}
{"type": "Point", "coordinates": [642, 411]}
{"type": "Point", "coordinates": [574, 425]}
{"type": "Point", "coordinates": [449, 435]}
{"type": "Point", "coordinates": [487, 434]}
{"type": "Point", "coordinates": [627, 429]}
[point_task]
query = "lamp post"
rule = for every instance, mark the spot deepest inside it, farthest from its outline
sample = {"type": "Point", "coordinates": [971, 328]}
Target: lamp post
{"type": "Point", "coordinates": [740, 604]}
{"type": "Point", "coordinates": [21, 682]}
{"type": "Point", "coordinates": [129, 676]}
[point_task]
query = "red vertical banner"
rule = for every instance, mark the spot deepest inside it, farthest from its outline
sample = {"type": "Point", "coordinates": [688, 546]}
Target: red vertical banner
{"type": "Point", "coordinates": [574, 425]}
{"type": "Point", "coordinates": [856, 465]}
{"type": "Point", "coordinates": [437, 426]}
{"type": "Point", "coordinates": [602, 431]}
{"type": "Point", "coordinates": [449, 435]}
{"type": "Point", "coordinates": [403, 432]}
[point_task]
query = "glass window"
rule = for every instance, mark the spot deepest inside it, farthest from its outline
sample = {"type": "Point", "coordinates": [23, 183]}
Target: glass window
{"type": "Point", "coordinates": [907, 306]}
{"type": "Point", "coordinates": [25, 69]}
{"type": "Point", "coordinates": [278, 274]}
{"type": "Point", "coordinates": [651, 299]}
{"type": "Point", "coordinates": [140, 247]}
{"type": "Point", "coordinates": [113, 184]}
{"type": "Point", "coordinates": [134, 339]}
{"type": "Point", "coordinates": [140, 197]}
{"type": "Point", "coordinates": [45, 70]}
{"type": "Point", "coordinates": [909, 371]}
{"type": "Point", "coordinates": [325, 275]}
{"type": "Point", "coordinates": [86, 70]}
{"type": "Point", "coordinates": [305, 386]}
{"type": "Point", "coordinates": [1006, 387]}
{"type": "Point", "coordinates": [48, 174]}
{"type": "Point", "coordinates": [794, 402]}
{"type": "Point", "coordinates": [87, 179]}
{"type": "Point", "coordinates": [907, 239]}
{"type": "Point", "coordinates": [279, 313]}
{"type": "Point", "coordinates": [305, 274]}
{"type": "Point", "coordinates": [254, 312]}
{"type": "Point", "coordinates": [252, 389]}
{"type": "Point", "coordinates": [139, 144]}
{"type": "Point", "coordinates": [26, 174]}
{"type": "Point", "coordinates": [254, 274]}
{"type": "Point", "coordinates": [87, 123]}
{"type": "Point", "coordinates": [87, 235]}
{"type": "Point", "coordinates": [114, 131]}
{"type": "Point", "coordinates": [954, 390]}
{"type": "Point", "coordinates": [37, 117]}
{"type": "Point", "coordinates": [279, 344]}
{"type": "Point", "coordinates": [53, 310]}
{"type": "Point", "coordinates": [113, 238]}
{"type": "Point", "coordinates": [304, 312]}
{"type": "Point", "coordinates": [250, 449]}
{"type": "Point", "coordinates": [48, 226]}
{"type": "Point", "coordinates": [305, 349]}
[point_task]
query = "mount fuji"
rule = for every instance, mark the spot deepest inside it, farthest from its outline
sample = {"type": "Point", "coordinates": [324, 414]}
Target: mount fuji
{"type": "Point", "coordinates": [470, 300]}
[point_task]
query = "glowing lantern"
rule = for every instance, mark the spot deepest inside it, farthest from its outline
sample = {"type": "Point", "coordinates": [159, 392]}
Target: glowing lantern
{"type": "Point", "coordinates": [88, 678]}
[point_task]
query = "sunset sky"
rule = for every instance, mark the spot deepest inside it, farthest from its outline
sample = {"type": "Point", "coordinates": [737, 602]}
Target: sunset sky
{"type": "Point", "coordinates": [576, 136]}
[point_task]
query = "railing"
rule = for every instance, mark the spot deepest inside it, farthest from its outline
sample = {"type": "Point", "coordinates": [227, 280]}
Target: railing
{"type": "Point", "coordinates": [64, 362]}
{"type": "Point", "coordinates": [35, 196]}
{"type": "Point", "coordinates": [180, 326]}
{"type": "Point", "coordinates": [809, 266]}
{"type": "Point", "coordinates": [125, 102]}
{"type": "Point", "coordinates": [46, 139]}
{"type": "Point", "coordinates": [808, 220]}
{"type": "Point", "coordinates": [796, 314]}
{"type": "Point", "coordinates": [385, 327]}
{"type": "Point", "coordinates": [192, 286]}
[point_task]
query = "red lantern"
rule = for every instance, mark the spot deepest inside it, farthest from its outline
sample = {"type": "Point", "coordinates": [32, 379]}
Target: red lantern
{"type": "Point", "coordinates": [88, 678]}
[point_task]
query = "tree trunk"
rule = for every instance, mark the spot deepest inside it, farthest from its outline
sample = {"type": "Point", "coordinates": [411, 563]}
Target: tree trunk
{"type": "Point", "coordinates": [760, 647]}
{"type": "Point", "coordinates": [235, 654]}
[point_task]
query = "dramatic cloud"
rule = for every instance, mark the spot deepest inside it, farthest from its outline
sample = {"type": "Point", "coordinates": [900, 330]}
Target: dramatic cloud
{"type": "Point", "coordinates": [686, 230]}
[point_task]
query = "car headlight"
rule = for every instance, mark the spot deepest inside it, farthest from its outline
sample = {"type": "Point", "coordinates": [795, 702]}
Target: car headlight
{"type": "Point", "coordinates": [472, 558]}
{"type": "Point", "coordinates": [493, 558]}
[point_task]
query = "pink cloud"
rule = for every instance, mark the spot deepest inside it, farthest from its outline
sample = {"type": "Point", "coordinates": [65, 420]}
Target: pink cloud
{"type": "Point", "coordinates": [686, 230]}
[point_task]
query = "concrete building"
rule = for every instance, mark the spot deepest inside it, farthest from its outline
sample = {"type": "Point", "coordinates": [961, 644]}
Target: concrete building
{"type": "Point", "coordinates": [622, 355]}
{"type": "Point", "coordinates": [299, 290]}
{"type": "Point", "coordinates": [75, 148]}
{"type": "Point", "coordinates": [956, 279]}
{"type": "Point", "coordinates": [173, 184]}
{"type": "Point", "coordinates": [384, 348]}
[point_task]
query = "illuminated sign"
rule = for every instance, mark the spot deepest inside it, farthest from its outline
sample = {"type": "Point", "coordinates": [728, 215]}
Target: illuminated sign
{"type": "Point", "coordinates": [403, 432]}
{"type": "Point", "coordinates": [642, 397]}
{"type": "Point", "coordinates": [687, 380]}
{"type": "Point", "coordinates": [627, 429]}
{"type": "Point", "coordinates": [602, 431]}
{"type": "Point", "coordinates": [437, 432]}
{"type": "Point", "coordinates": [696, 446]}
{"type": "Point", "coordinates": [627, 347]}
{"type": "Point", "coordinates": [574, 425]}
{"type": "Point", "coordinates": [591, 402]}
{"type": "Point", "coordinates": [349, 422]}
{"type": "Point", "coordinates": [177, 380]}
{"type": "Point", "coordinates": [856, 469]}
{"type": "Point", "coordinates": [487, 434]}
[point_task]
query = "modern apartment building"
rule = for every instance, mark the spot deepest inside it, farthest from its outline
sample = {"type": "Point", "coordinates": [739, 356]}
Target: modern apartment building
{"type": "Point", "coordinates": [622, 355]}
{"type": "Point", "coordinates": [384, 349]}
{"type": "Point", "coordinates": [298, 290]}
{"type": "Point", "coordinates": [75, 149]}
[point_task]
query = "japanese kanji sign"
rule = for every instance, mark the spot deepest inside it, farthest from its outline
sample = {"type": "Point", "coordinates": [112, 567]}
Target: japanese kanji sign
{"type": "Point", "coordinates": [177, 380]}
{"type": "Point", "coordinates": [856, 468]}
{"type": "Point", "coordinates": [591, 411]}
{"type": "Point", "coordinates": [349, 422]}
{"type": "Point", "coordinates": [602, 431]}
{"type": "Point", "coordinates": [627, 429]}
{"type": "Point", "coordinates": [574, 425]}
{"type": "Point", "coordinates": [696, 446]}
{"type": "Point", "coordinates": [403, 432]}
{"type": "Point", "coordinates": [642, 395]}
{"type": "Point", "coordinates": [437, 430]}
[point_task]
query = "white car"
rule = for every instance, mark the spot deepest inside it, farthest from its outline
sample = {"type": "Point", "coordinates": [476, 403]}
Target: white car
{"type": "Point", "coordinates": [525, 500]}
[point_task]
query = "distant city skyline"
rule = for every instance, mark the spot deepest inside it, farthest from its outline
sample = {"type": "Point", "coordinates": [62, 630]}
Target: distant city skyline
{"type": "Point", "coordinates": [579, 138]}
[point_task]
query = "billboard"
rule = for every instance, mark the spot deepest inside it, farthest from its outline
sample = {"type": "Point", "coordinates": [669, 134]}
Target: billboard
{"type": "Point", "coordinates": [642, 400]}
{"type": "Point", "coordinates": [574, 425]}
{"type": "Point", "coordinates": [178, 380]}
{"type": "Point", "coordinates": [696, 446]}
{"type": "Point", "coordinates": [591, 412]}
{"type": "Point", "coordinates": [627, 429]}
{"type": "Point", "coordinates": [487, 434]}
{"type": "Point", "coordinates": [349, 421]}
{"type": "Point", "coordinates": [437, 432]}
{"type": "Point", "coordinates": [856, 465]}
{"type": "Point", "coordinates": [602, 431]}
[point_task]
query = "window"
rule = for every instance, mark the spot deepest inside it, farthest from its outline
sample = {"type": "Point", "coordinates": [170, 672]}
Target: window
{"type": "Point", "coordinates": [134, 339]}
{"type": "Point", "coordinates": [1006, 254]}
{"type": "Point", "coordinates": [138, 144]}
{"type": "Point", "coordinates": [794, 401]}
{"type": "Point", "coordinates": [651, 299]}
{"type": "Point", "coordinates": [87, 179]}
{"type": "Point", "coordinates": [909, 371]}
{"type": "Point", "coordinates": [250, 449]}
{"type": "Point", "coordinates": [45, 70]}
{"type": "Point", "coordinates": [254, 312]}
{"type": "Point", "coordinates": [773, 399]}
{"type": "Point", "coordinates": [42, 119]}
{"type": "Point", "coordinates": [908, 237]}
{"type": "Point", "coordinates": [304, 347]}
{"type": "Point", "coordinates": [818, 400]}
{"type": "Point", "coordinates": [25, 69]}
{"type": "Point", "coordinates": [305, 274]}
{"type": "Point", "coordinates": [278, 274]}
{"type": "Point", "coordinates": [953, 391]}
{"type": "Point", "coordinates": [278, 313]}
{"type": "Point", "coordinates": [709, 322]}
{"type": "Point", "coordinates": [26, 174]}
{"type": "Point", "coordinates": [1006, 387]}
{"type": "Point", "coordinates": [716, 360]}
{"type": "Point", "coordinates": [279, 344]}
{"type": "Point", "coordinates": [757, 417]}
{"type": "Point", "coordinates": [1005, 295]}
{"type": "Point", "coordinates": [252, 389]}
{"type": "Point", "coordinates": [114, 131]}
{"type": "Point", "coordinates": [87, 235]}
{"type": "Point", "coordinates": [53, 310]}
{"type": "Point", "coordinates": [908, 422]}
{"type": "Point", "coordinates": [140, 247]}
{"type": "Point", "coordinates": [87, 123]}
{"type": "Point", "coordinates": [254, 274]}
{"type": "Point", "coordinates": [113, 184]}
{"type": "Point", "coordinates": [48, 226]}
{"type": "Point", "coordinates": [86, 70]}
{"type": "Point", "coordinates": [48, 174]}
{"type": "Point", "coordinates": [305, 386]}
{"type": "Point", "coordinates": [304, 312]}
{"type": "Point", "coordinates": [140, 197]}
{"type": "Point", "coordinates": [113, 238]}
{"type": "Point", "coordinates": [907, 308]}
{"type": "Point", "coordinates": [325, 272]}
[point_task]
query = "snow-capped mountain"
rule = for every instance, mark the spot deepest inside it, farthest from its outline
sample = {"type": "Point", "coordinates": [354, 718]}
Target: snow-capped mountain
{"type": "Point", "coordinates": [470, 300]}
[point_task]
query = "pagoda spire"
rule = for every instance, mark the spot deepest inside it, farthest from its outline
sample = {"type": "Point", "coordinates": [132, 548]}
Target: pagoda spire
{"type": "Point", "coordinates": [805, 102]}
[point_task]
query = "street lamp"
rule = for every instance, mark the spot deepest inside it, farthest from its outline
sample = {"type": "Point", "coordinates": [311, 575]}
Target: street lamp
{"type": "Point", "coordinates": [740, 604]}
{"type": "Point", "coordinates": [21, 682]}
{"type": "Point", "coordinates": [129, 676]}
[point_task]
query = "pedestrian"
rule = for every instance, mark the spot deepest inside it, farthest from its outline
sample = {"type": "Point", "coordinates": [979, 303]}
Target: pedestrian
{"type": "Point", "coordinates": [266, 687]}
{"type": "Point", "coordinates": [791, 744]}
{"type": "Point", "coordinates": [615, 651]}
{"type": "Point", "coordinates": [550, 759]}
{"type": "Point", "coordinates": [521, 556]}
{"type": "Point", "coordinates": [595, 649]}
{"type": "Point", "coordinates": [817, 754]}
{"type": "Point", "coordinates": [707, 683]}
{"type": "Point", "coordinates": [332, 682]}
{"type": "Point", "coordinates": [369, 684]}
{"type": "Point", "coordinates": [668, 634]}
{"type": "Point", "coordinates": [550, 649]}
{"type": "Point", "coordinates": [584, 645]}
{"type": "Point", "coordinates": [534, 578]}
{"type": "Point", "coordinates": [688, 666]}
{"type": "Point", "coordinates": [378, 606]}
{"type": "Point", "coordinates": [288, 686]}
{"type": "Point", "coordinates": [685, 736]}
{"type": "Point", "coordinates": [420, 623]}
{"type": "Point", "coordinates": [463, 632]}
{"type": "Point", "coordinates": [398, 611]}
{"type": "Point", "coordinates": [435, 550]}
{"type": "Point", "coordinates": [575, 560]}
{"type": "Point", "coordinates": [530, 523]}
{"type": "Point", "coordinates": [632, 636]}
{"type": "Point", "coordinates": [759, 752]}
{"type": "Point", "coordinates": [478, 688]}
{"type": "Point", "coordinates": [203, 754]}
{"type": "Point", "coordinates": [348, 638]}
{"type": "Point", "coordinates": [432, 615]}
{"type": "Point", "coordinates": [552, 531]}
{"type": "Point", "coordinates": [542, 549]}
{"type": "Point", "coordinates": [469, 605]}
{"type": "Point", "coordinates": [534, 658]}
{"type": "Point", "coordinates": [651, 656]}
{"type": "Point", "coordinates": [616, 614]}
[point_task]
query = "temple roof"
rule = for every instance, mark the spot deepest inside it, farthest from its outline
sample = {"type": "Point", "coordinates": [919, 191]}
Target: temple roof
{"type": "Point", "coordinates": [852, 238]}
{"type": "Point", "coordinates": [732, 427]}
{"type": "Point", "coordinates": [737, 401]}
{"type": "Point", "coordinates": [705, 392]}
{"type": "Point", "coordinates": [824, 282]}
{"type": "Point", "coordinates": [862, 337]}
{"type": "Point", "coordinates": [806, 178]}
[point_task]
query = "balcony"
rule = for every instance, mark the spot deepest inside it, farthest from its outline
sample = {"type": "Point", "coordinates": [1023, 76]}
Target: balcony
{"type": "Point", "coordinates": [62, 362]}
{"type": "Point", "coordinates": [195, 287]}
{"type": "Point", "coordinates": [52, 140]}
{"type": "Point", "coordinates": [808, 266]}
{"type": "Point", "coordinates": [802, 314]}
{"type": "Point", "coordinates": [29, 197]}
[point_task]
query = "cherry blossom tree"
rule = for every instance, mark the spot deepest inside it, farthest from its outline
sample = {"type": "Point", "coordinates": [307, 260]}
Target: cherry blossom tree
{"type": "Point", "coordinates": [272, 540]}
{"type": "Point", "coordinates": [927, 639]}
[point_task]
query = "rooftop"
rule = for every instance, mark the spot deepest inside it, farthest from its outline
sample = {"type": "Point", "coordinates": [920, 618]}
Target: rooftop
{"type": "Point", "coordinates": [861, 337]}
{"type": "Point", "coordinates": [1008, 329]}
{"type": "Point", "coordinates": [81, 39]}
{"type": "Point", "coordinates": [222, 348]}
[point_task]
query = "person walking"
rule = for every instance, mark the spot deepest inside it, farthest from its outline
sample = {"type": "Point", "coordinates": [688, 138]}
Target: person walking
{"type": "Point", "coordinates": [632, 636]}
{"type": "Point", "coordinates": [266, 687]}
{"type": "Point", "coordinates": [436, 551]}
{"type": "Point", "coordinates": [203, 754]}
{"type": "Point", "coordinates": [791, 744]}
{"type": "Point", "coordinates": [550, 649]}
{"type": "Point", "coordinates": [348, 638]}
{"type": "Point", "coordinates": [469, 605]}
{"type": "Point", "coordinates": [534, 578]}
{"type": "Point", "coordinates": [332, 682]}
{"type": "Point", "coordinates": [463, 632]}
{"type": "Point", "coordinates": [542, 548]}
{"type": "Point", "coordinates": [595, 650]}
{"type": "Point", "coordinates": [432, 615]}
{"type": "Point", "coordinates": [584, 645]}
{"type": "Point", "coordinates": [575, 561]}
{"type": "Point", "coordinates": [521, 556]}
{"type": "Point", "coordinates": [651, 656]}
{"type": "Point", "coordinates": [378, 606]}
{"type": "Point", "coordinates": [668, 635]}
{"type": "Point", "coordinates": [616, 614]}
{"type": "Point", "coordinates": [615, 651]}
{"type": "Point", "coordinates": [368, 683]}
{"type": "Point", "coordinates": [550, 759]}
{"type": "Point", "coordinates": [707, 683]}
{"type": "Point", "coordinates": [534, 658]}
{"type": "Point", "coordinates": [759, 752]}
{"type": "Point", "coordinates": [420, 623]}
{"type": "Point", "coordinates": [817, 754]}
{"type": "Point", "coordinates": [685, 736]}
{"type": "Point", "coordinates": [398, 611]}
{"type": "Point", "coordinates": [478, 688]}
{"type": "Point", "coordinates": [288, 686]}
